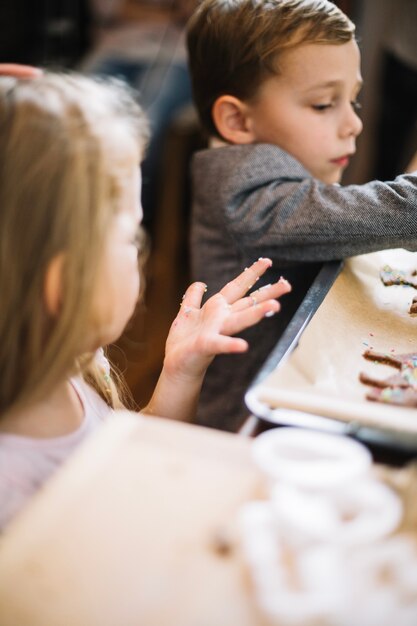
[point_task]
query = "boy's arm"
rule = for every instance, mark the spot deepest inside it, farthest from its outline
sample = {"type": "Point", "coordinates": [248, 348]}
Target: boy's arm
{"type": "Point", "coordinates": [271, 205]}
{"type": "Point", "coordinates": [200, 332]}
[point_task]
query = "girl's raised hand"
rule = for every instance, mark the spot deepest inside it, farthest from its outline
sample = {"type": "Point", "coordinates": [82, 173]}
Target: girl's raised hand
{"type": "Point", "coordinates": [200, 332]}
{"type": "Point", "coordinates": [19, 71]}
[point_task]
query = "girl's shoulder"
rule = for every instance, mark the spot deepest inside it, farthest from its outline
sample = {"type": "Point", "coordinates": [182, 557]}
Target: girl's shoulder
{"type": "Point", "coordinates": [96, 410]}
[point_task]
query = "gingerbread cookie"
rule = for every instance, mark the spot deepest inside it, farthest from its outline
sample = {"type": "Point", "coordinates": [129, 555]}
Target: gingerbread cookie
{"type": "Point", "coordinates": [397, 396]}
{"type": "Point", "coordinates": [395, 360]}
{"type": "Point", "coordinates": [399, 389]}
{"type": "Point", "coordinates": [391, 276]}
{"type": "Point", "coordinates": [392, 381]}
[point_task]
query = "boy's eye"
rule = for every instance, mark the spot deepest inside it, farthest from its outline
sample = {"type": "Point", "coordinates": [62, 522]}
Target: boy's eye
{"type": "Point", "coordinates": [322, 107]}
{"type": "Point", "coordinates": [356, 106]}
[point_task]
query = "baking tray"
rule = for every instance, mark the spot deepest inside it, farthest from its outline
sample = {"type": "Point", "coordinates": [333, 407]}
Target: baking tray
{"type": "Point", "coordinates": [310, 378]}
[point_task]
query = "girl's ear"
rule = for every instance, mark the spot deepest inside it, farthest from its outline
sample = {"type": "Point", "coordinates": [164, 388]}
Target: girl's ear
{"type": "Point", "coordinates": [230, 116]}
{"type": "Point", "coordinates": [52, 288]}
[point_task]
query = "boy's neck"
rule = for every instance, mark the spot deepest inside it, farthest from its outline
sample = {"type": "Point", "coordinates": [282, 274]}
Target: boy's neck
{"type": "Point", "coordinates": [59, 414]}
{"type": "Point", "coordinates": [216, 142]}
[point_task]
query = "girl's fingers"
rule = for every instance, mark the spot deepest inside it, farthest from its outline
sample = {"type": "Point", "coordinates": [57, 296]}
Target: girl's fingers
{"type": "Point", "coordinates": [241, 284]}
{"type": "Point", "coordinates": [221, 344]}
{"type": "Point", "coordinates": [267, 292]}
{"type": "Point", "coordinates": [227, 312]}
{"type": "Point", "coordinates": [248, 317]}
{"type": "Point", "coordinates": [278, 289]}
{"type": "Point", "coordinates": [19, 71]}
{"type": "Point", "coordinates": [193, 296]}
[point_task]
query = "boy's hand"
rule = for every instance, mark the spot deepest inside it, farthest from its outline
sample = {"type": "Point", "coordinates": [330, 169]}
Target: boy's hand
{"type": "Point", "coordinates": [200, 332]}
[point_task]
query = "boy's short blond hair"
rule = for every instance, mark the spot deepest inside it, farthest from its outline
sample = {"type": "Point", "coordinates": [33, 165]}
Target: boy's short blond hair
{"type": "Point", "coordinates": [234, 45]}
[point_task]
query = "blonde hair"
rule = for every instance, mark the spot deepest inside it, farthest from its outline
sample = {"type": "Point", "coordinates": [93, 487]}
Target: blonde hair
{"type": "Point", "coordinates": [59, 189]}
{"type": "Point", "coordinates": [234, 45]}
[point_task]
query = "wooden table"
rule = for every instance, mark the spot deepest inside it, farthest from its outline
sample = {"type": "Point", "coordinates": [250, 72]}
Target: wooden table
{"type": "Point", "coordinates": [138, 528]}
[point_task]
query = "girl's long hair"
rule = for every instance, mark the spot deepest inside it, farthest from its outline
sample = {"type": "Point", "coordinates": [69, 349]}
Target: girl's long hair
{"type": "Point", "coordinates": [59, 190]}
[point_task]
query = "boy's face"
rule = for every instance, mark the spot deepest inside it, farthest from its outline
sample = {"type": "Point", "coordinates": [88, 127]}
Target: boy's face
{"type": "Point", "coordinates": [309, 110]}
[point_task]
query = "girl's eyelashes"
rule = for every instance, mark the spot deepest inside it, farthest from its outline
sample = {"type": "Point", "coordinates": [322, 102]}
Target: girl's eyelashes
{"type": "Point", "coordinates": [139, 238]}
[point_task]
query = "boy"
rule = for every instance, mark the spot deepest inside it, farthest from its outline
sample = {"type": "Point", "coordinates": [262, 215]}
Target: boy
{"type": "Point", "coordinates": [275, 83]}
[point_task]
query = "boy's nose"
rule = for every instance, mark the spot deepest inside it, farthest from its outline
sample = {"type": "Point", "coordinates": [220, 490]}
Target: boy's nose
{"type": "Point", "coordinates": [351, 124]}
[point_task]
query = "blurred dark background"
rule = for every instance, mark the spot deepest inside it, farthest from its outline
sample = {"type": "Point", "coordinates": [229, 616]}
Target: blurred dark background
{"type": "Point", "coordinates": [51, 33]}
{"type": "Point", "coordinates": [57, 33]}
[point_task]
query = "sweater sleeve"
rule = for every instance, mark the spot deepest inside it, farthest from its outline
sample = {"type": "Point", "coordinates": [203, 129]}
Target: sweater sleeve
{"type": "Point", "coordinates": [272, 203]}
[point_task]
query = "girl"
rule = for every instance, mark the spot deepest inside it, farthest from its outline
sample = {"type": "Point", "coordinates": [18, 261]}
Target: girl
{"type": "Point", "coordinates": [70, 149]}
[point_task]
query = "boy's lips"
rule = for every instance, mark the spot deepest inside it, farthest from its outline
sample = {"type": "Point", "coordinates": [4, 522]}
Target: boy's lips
{"type": "Point", "coordinates": [342, 161]}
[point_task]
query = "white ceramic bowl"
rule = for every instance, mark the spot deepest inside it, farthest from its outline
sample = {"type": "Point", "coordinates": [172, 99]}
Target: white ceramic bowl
{"type": "Point", "coordinates": [310, 459]}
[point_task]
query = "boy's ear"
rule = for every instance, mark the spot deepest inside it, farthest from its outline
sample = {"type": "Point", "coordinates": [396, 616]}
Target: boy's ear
{"type": "Point", "coordinates": [52, 288]}
{"type": "Point", "coordinates": [230, 116]}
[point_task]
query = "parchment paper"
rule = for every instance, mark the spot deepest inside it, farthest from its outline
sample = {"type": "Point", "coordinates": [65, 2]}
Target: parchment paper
{"type": "Point", "coordinates": [359, 312]}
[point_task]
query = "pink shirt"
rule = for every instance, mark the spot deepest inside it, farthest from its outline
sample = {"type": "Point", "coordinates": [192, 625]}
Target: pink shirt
{"type": "Point", "coordinates": [26, 463]}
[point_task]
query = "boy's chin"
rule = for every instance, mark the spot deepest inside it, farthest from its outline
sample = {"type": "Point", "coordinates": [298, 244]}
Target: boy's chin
{"type": "Point", "coordinates": [332, 179]}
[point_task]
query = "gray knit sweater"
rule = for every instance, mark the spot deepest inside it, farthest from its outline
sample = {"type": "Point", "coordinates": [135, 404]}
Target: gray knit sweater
{"type": "Point", "coordinates": [257, 200]}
